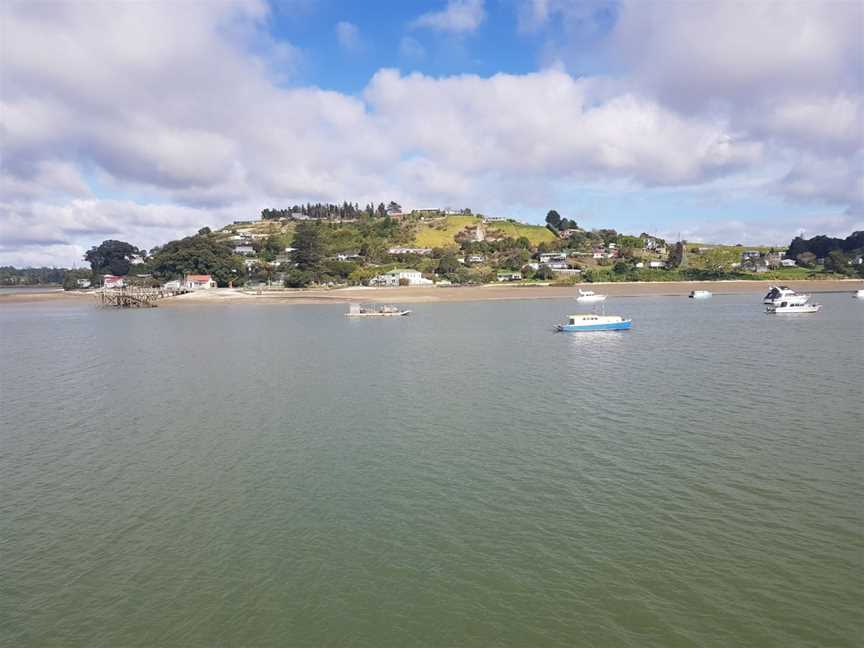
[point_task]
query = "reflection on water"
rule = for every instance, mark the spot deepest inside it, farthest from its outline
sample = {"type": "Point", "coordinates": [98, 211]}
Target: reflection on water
{"type": "Point", "coordinates": [242, 475]}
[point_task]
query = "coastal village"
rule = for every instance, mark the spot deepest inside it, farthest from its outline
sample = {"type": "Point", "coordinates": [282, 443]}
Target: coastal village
{"type": "Point", "coordinates": [344, 245]}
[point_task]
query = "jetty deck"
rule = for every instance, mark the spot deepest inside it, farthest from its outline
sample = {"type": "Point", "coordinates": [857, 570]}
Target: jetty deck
{"type": "Point", "coordinates": [134, 297]}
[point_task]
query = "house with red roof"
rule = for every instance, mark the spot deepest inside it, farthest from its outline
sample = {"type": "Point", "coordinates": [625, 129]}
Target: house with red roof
{"type": "Point", "coordinates": [113, 281]}
{"type": "Point", "coordinates": [198, 282]}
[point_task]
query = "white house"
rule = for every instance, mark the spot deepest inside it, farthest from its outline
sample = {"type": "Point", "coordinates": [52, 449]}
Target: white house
{"type": "Point", "coordinates": [198, 282]}
{"type": "Point", "coordinates": [83, 283]}
{"type": "Point", "coordinates": [476, 258]}
{"type": "Point", "coordinates": [509, 276]}
{"type": "Point", "coordinates": [788, 263]}
{"type": "Point", "coordinates": [244, 249]}
{"type": "Point", "coordinates": [656, 264]}
{"type": "Point", "coordinates": [553, 257]}
{"type": "Point", "coordinates": [395, 276]}
{"type": "Point", "coordinates": [174, 284]}
{"type": "Point", "coordinates": [409, 250]}
{"type": "Point", "coordinates": [347, 256]}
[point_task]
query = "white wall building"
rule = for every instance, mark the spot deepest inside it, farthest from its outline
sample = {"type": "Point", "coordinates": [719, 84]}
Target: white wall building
{"type": "Point", "coordinates": [392, 278]}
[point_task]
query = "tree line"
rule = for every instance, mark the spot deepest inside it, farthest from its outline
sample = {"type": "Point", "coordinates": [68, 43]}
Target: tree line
{"type": "Point", "coordinates": [329, 211]}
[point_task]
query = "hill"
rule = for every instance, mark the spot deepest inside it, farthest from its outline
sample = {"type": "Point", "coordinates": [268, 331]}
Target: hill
{"type": "Point", "coordinates": [441, 232]}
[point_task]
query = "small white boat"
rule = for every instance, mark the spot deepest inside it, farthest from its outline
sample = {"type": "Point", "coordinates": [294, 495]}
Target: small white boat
{"type": "Point", "coordinates": [778, 294]}
{"type": "Point", "coordinates": [785, 308]}
{"type": "Point", "coordinates": [361, 310]}
{"type": "Point", "coordinates": [859, 294]}
{"type": "Point", "coordinates": [701, 294]}
{"type": "Point", "coordinates": [589, 297]}
{"type": "Point", "coordinates": [583, 323]}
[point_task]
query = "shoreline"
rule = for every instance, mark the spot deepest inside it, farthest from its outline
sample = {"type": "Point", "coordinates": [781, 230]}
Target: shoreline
{"type": "Point", "coordinates": [431, 294]}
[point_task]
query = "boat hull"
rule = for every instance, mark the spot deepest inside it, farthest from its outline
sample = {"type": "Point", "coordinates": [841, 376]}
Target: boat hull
{"type": "Point", "coordinates": [596, 299]}
{"type": "Point", "coordinates": [398, 314]}
{"type": "Point", "coordinates": [586, 328]}
{"type": "Point", "coordinates": [794, 310]}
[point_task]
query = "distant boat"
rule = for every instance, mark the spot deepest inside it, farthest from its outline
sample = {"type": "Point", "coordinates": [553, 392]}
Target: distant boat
{"type": "Point", "coordinates": [584, 323]}
{"type": "Point", "coordinates": [859, 294]}
{"type": "Point", "coordinates": [778, 294]}
{"type": "Point", "coordinates": [589, 297]}
{"type": "Point", "coordinates": [701, 294]}
{"type": "Point", "coordinates": [361, 310]}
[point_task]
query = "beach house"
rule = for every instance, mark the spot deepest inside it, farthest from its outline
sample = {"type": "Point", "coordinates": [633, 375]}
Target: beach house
{"type": "Point", "coordinates": [400, 277]}
{"type": "Point", "coordinates": [198, 282]}
{"type": "Point", "coordinates": [509, 276]}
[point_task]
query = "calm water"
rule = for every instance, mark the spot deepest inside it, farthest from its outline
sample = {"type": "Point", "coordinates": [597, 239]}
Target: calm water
{"type": "Point", "coordinates": [281, 475]}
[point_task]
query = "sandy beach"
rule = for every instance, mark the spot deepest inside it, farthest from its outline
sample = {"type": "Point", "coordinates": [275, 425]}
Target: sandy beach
{"type": "Point", "coordinates": [428, 294]}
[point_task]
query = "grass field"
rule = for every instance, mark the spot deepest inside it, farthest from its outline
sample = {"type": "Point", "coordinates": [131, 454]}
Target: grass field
{"type": "Point", "coordinates": [535, 233]}
{"type": "Point", "coordinates": [441, 233]}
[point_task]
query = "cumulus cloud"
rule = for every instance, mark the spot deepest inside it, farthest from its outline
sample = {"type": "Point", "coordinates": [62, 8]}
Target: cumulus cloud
{"type": "Point", "coordinates": [182, 112]}
{"type": "Point", "coordinates": [458, 17]}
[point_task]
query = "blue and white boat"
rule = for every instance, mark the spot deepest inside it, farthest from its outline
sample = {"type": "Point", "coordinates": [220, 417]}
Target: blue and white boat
{"type": "Point", "coordinates": [580, 323]}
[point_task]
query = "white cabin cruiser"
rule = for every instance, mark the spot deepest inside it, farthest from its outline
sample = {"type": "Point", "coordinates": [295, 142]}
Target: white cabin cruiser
{"type": "Point", "coordinates": [589, 297]}
{"type": "Point", "coordinates": [784, 308]}
{"type": "Point", "coordinates": [779, 294]}
{"type": "Point", "coordinates": [701, 294]}
{"type": "Point", "coordinates": [363, 310]}
{"type": "Point", "coordinates": [859, 294]}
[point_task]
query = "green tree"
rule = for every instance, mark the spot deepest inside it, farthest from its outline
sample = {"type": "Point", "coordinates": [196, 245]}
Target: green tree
{"type": "Point", "coordinates": [678, 256]}
{"type": "Point", "coordinates": [544, 273]}
{"type": "Point", "coordinates": [111, 257]}
{"type": "Point", "coordinates": [448, 264]}
{"type": "Point", "coordinates": [806, 259]}
{"type": "Point", "coordinates": [308, 247]}
{"type": "Point", "coordinates": [837, 262]}
{"type": "Point", "coordinates": [199, 254]}
{"type": "Point", "coordinates": [296, 278]}
{"type": "Point", "coordinates": [553, 219]}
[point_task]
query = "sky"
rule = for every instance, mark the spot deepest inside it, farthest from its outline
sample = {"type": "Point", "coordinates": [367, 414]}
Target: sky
{"type": "Point", "coordinates": [721, 121]}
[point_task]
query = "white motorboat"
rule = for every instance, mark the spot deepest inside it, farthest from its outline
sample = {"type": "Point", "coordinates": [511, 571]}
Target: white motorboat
{"type": "Point", "coordinates": [362, 310]}
{"type": "Point", "coordinates": [778, 294]}
{"type": "Point", "coordinates": [701, 294]}
{"type": "Point", "coordinates": [589, 297]}
{"type": "Point", "coordinates": [859, 294]}
{"type": "Point", "coordinates": [785, 308]}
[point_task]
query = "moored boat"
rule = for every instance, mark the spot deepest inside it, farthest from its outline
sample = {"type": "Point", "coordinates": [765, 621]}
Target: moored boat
{"type": "Point", "coordinates": [859, 294]}
{"type": "Point", "coordinates": [701, 294]}
{"type": "Point", "coordinates": [778, 294]}
{"type": "Point", "coordinates": [362, 310]}
{"type": "Point", "coordinates": [580, 323]}
{"type": "Point", "coordinates": [787, 308]}
{"type": "Point", "coordinates": [589, 297]}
